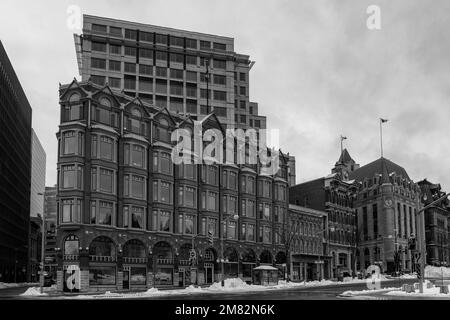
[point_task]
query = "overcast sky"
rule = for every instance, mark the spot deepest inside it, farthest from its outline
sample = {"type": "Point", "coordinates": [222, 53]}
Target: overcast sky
{"type": "Point", "coordinates": [319, 71]}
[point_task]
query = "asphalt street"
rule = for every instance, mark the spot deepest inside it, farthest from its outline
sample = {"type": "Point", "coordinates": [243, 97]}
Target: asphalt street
{"type": "Point", "coordinates": [298, 293]}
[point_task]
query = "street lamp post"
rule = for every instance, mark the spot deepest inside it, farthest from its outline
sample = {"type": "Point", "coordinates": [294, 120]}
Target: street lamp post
{"type": "Point", "coordinates": [41, 278]}
{"type": "Point", "coordinates": [225, 221]}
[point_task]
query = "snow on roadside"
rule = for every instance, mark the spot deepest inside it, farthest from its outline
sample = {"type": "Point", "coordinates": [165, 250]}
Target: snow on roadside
{"type": "Point", "coordinates": [231, 285]}
{"type": "Point", "coordinates": [4, 285]}
{"type": "Point", "coordinates": [364, 292]}
{"type": "Point", "coordinates": [427, 292]}
{"type": "Point", "coordinates": [34, 291]}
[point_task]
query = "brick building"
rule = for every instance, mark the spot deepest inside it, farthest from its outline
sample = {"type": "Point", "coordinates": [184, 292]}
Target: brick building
{"type": "Point", "coordinates": [129, 217]}
{"type": "Point", "coordinates": [437, 225]}
{"type": "Point", "coordinates": [333, 194]}
{"type": "Point", "coordinates": [309, 248]}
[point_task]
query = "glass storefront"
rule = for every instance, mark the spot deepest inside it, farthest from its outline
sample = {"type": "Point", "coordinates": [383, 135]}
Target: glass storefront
{"type": "Point", "coordinates": [102, 275]}
{"type": "Point", "coordinates": [164, 276]}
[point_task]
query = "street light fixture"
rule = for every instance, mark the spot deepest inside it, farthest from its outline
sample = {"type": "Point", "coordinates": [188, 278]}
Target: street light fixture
{"type": "Point", "coordinates": [41, 278]}
{"type": "Point", "coordinates": [225, 221]}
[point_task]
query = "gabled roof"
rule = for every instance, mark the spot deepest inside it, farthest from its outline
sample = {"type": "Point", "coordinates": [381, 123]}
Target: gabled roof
{"type": "Point", "coordinates": [212, 116]}
{"type": "Point", "coordinates": [345, 157]}
{"type": "Point", "coordinates": [381, 166]}
{"type": "Point", "coordinates": [107, 89]}
{"type": "Point", "coordinates": [73, 84]}
{"type": "Point", "coordinates": [137, 101]}
{"type": "Point", "coordinates": [167, 112]}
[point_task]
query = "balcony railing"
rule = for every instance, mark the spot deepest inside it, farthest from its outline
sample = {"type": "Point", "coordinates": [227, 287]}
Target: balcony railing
{"type": "Point", "coordinates": [134, 260]}
{"type": "Point", "coordinates": [71, 257]}
{"type": "Point", "coordinates": [184, 262]}
{"type": "Point", "coordinates": [164, 261]}
{"type": "Point", "coordinates": [102, 258]}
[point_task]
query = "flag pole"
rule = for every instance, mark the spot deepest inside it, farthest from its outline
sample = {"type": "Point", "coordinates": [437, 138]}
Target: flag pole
{"type": "Point", "coordinates": [381, 137]}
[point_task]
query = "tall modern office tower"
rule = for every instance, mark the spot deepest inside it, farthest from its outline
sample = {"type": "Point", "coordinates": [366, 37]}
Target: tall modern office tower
{"type": "Point", "coordinates": [169, 68]}
{"type": "Point", "coordinates": [15, 173]}
{"type": "Point", "coordinates": [38, 162]}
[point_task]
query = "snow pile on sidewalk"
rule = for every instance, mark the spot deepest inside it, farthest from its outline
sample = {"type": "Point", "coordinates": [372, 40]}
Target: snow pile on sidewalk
{"type": "Point", "coordinates": [4, 285]}
{"type": "Point", "coordinates": [427, 292]}
{"type": "Point", "coordinates": [368, 291]}
{"type": "Point", "coordinates": [408, 276]}
{"type": "Point", "coordinates": [34, 291]}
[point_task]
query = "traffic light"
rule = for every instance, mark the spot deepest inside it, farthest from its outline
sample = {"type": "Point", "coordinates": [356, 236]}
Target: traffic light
{"type": "Point", "coordinates": [210, 238]}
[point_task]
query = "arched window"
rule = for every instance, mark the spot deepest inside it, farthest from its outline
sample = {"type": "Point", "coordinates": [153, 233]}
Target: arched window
{"type": "Point", "coordinates": [134, 249]}
{"type": "Point", "coordinates": [135, 112]}
{"type": "Point", "coordinates": [102, 246]}
{"type": "Point", "coordinates": [74, 97]}
{"type": "Point", "coordinates": [105, 102]}
{"type": "Point", "coordinates": [71, 245]}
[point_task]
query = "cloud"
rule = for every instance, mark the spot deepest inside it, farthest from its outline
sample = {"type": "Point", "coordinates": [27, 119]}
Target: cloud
{"type": "Point", "coordinates": [319, 71]}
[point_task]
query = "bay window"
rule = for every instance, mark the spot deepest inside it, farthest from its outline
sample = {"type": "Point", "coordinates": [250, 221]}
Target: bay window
{"type": "Point", "coordinates": [162, 162]}
{"type": "Point", "coordinates": [162, 221]}
{"type": "Point", "coordinates": [209, 224]}
{"type": "Point", "coordinates": [210, 200]}
{"type": "Point", "coordinates": [162, 191]}
{"type": "Point", "coordinates": [72, 176]}
{"type": "Point", "coordinates": [250, 232]}
{"type": "Point", "coordinates": [187, 196]}
{"type": "Point", "coordinates": [133, 217]}
{"type": "Point", "coordinates": [72, 142]}
{"type": "Point", "coordinates": [186, 224]}
{"type": "Point", "coordinates": [232, 230]}
{"type": "Point", "coordinates": [134, 186]}
{"type": "Point", "coordinates": [134, 155]}
{"type": "Point", "coordinates": [230, 205]}
{"type": "Point", "coordinates": [102, 213]}
{"type": "Point", "coordinates": [70, 211]}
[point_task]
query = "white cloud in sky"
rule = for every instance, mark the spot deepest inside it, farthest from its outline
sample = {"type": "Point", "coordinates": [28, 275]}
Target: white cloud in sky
{"type": "Point", "coordinates": [319, 71]}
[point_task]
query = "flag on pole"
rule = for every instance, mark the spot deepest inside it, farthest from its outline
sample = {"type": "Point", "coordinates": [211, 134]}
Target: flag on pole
{"type": "Point", "coordinates": [383, 120]}
{"type": "Point", "coordinates": [343, 138]}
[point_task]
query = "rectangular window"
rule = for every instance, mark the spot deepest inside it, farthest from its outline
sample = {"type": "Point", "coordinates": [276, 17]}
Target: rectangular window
{"type": "Point", "coordinates": [130, 83]}
{"type": "Point", "coordinates": [106, 180]}
{"type": "Point", "coordinates": [191, 76]}
{"type": "Point", "coordinates": [220, 95]}
{"type": "Point", "coordinates": [161, 72]}
{"type": "Point", "coordinates": [145, 69]}
{"type": "Point", "coordinates": [98, 28]}
{"type": "Point", "coordinates": [130, 67]}
{"type": "Point", "coordinates": [98, 63]}
{"type": "Point", "coordinates": [242, 76]}
{"type": "Point", "coordinates": [138, 187]}
{"type": "Point", "coordinates": [267, 235]}
{"type": "Point", "coordinates": [219, 64]}
{"type": "Point", "coordinates": [250, 232]}
{"type": "Point", "coordinates": [99, 46]}
{"type": "Point", "coordinates": [106, 148]}
{"type": "Point", "coordinates": [105, 213]}
{"type": "Point", "coordinates": [221, 80]}
{"type": "Point", "coordinates": [191, 60]}
{"type": "Point", "coordinates": [176, 57]}
{"type": "Point", "coordinates": [70, 143]}
{"type": "Point", "coordinates": [145, 53]}
{"type": "Point", "coordinates": [130, 51]}
{"type": "Point", "coordinates": [114, 82]}
{"type": "Point", "coordinates": [102, 276]}
{"type": "Point", "coordinates": [146, 36]}
{"type": "Point", "coordinates": [242, 91]}
{"type": "Point", "coordinates": [71, 210]}
{"type": "Point", "coordinates": [176, 74]}
{"type": "Point", "coordinates": [219, 46]}
{"type": "Point", "coordinates": [130, 34]}
{"type": "Point", "coordinates": [205, 45]}
{"type": "Point", "coordinates": [164, 221]}
{"type": "Point", "coordinates": [176, 41]}
{"type": "Point", "coordinates": [115, 31]}
{"type": "Point", "coordinates": [375, 220]}
{"type": "Point", "coordinates": [161, 56]}
{"type": "Point", "coordinates": [137, 217]}
{"type": "Point", "coordinates": [137, 156]}
{"type": "Point", "coordinates": [231, 232]}
{"type": "Point", "coordinates": [115, 49]}
{"type": "Point", "coordinates": [161, 39]}
{"type": "Point", "coordinates": [191, 43]}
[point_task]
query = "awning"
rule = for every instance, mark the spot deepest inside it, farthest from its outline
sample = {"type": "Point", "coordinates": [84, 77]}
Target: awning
{"type": "Point", "coordinates": [270, 268]}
